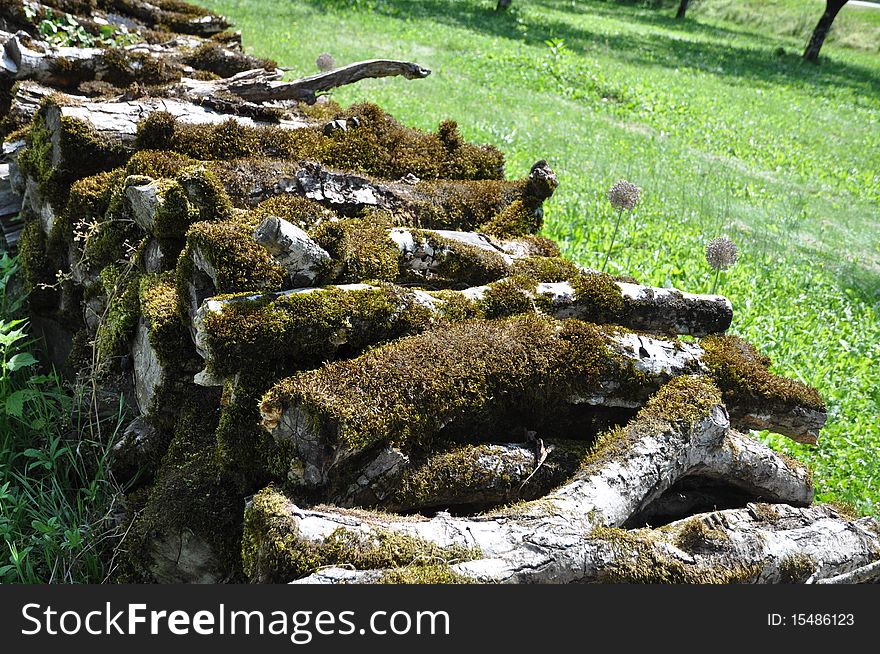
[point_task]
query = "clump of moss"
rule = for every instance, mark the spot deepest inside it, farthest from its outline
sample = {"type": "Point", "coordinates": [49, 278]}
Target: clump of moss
{"type": "Point", "coordinates": [239, 263]}
{"type": "Point", "coordinates": [123, 68]}
{"type": "Point", "coordinates": [508, 297]}
{"type": "Point", "coordinates": [743, 373]}
{"type": "Point", "coordinates": [516, 219]}
{"type": "Point", "coordinates": [123, 310]}
{"type": "Point", "coordinates": [796, 568]}
{"type": "Point", "coordinates": [76, 151]}
{"type": "Point", "coordinates": [472, 375]}
{"type": "Point", "coordinates": [224, 61]}
{"type": "Point", "coordinates": [546, 269]}
{"type": "Point", "coordinates": [157, 163]}
{"type": "Point", "coordinates": [460, 473]}
{"type": "Point", "coordinates": [194, 195]}
{"type": "Point", "coordinates": [168, 334]}
{"type": "Point", "coordinates": [684, 400]}
{"type": "Point", "coordinates": [359, 250]}
{"type": "Point", "coordinates": [87, 203]}
{"type": "Point", "coordinates": [274, 551]}
{"type": "Point", "coordinates": [424, 574]}
{"type": "Point", "coordinates": [457, 262]}
{"type": "Point", "coordinates": [639, 560]}
{"type": "Point", "coordinates": [695, 536]}
{"type": "Point", "coordinates": [37, 265]}
{"type": "Point", "coordinates": [598, 296]}
{"type": "Point", "coordinates": [301, 330]}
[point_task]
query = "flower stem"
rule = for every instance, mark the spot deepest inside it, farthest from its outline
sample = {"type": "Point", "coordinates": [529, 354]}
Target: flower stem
{"type": "Point", "coordinates": [613, 236]}
{"type": "Point", "coordinates": [715, 285]}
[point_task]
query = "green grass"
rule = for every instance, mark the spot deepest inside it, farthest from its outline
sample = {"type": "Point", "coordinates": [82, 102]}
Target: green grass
{"type": "Point", "coordinates": [57, 496]}
{"type": "Point", "coordinates": [724, 131]}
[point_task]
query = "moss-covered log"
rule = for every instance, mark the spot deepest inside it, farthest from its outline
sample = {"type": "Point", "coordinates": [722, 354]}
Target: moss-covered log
{"type": "Point", "coordinates": [171, 15]}
{"type": "Point", "coordinates": [67, 68]}
{"type": "Point", "coordinates": [503, 208]}
{"type": "Point", "coordinates": [232, 332]}
{"type": "Point", "coordinates": [460, 476]}
{"type": "Point", "coordinates": [478, 373]}
{"type": "Point", "coordinates": [762, 543]}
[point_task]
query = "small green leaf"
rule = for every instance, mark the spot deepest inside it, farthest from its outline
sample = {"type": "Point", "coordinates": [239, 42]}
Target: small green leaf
{"type": "Point", "coordinates": [20, 360]}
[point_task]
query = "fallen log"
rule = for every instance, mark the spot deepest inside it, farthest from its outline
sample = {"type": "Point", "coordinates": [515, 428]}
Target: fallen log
{"type": "Point", "coordinates": [175, 16]}
{"type": "Point", "coordinates": [258, 86]}
{"type": "Point", "coordinates": [761, 543]}
{"type": "Point", "coordinates": [522, 369]}
{"type": "Point", "coordinates": [504, 208]}
{"type": "Point", "coordinates": [252, 320]}
{"type": "Point", "coordinates": [64, 67]}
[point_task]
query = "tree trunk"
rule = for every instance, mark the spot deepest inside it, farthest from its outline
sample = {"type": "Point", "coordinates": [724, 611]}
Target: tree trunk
{"type": "Point", "coordinates": [682, 9]}
{"type": "Point", "coordinates": [502, 5]}
{"type": "Point", "coordinates": [823, 27]}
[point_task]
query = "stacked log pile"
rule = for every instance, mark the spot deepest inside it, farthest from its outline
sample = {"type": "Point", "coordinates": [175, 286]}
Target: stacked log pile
{"type": "Point", "coordinates": [349, 357]}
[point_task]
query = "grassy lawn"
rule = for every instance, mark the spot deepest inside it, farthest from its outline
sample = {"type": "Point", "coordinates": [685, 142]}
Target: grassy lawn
{"type": "Point", "coordinates": [719, 121]}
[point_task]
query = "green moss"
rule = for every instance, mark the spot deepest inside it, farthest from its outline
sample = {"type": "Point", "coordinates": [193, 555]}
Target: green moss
{"type": "Point", "coordinates": [458, 308]}
{"type": "Point", "coordinates": [223, 61]}
{"type": "Point", "coordinates": [377, 145]}
{"type": "Point", "coordinates": [38, 267]}
{"type": "Point", "coordinates": [516, 219]}
{"type": "Point", "coordinates": [158, 164]}
{"type": "Point", "coordinates": [695, 536]}
{"type": "Point", "coordinates": [639, 560]}
{"type": "Point", "coordinates": [191, 493]}
{"type": "Point", "coordinates": [194, 195]}
{"type": "Point", "coordinates": [598, 296]}
{"type": "Point", "coordinates": [123, 68]}
{"type": "Point", "coordinates": [123, 310]}
{"type": "Point", "coordinates": [473, 375]}
{"type": "Point", "coordinates": [457, 262]}
{"type": "Point", "coordinates": [301, 330]}
{"type": "Point", "coordinates": [239, 263]}
{"type": "Point", "coordinates": [360, 250]}
{"type": "Point", "coordinates": [743, 374]}
{"type": "Point", "coordinates": [796, 568]}
{"type": "Point", "coordinates": [846, 510]}
{"type": "Point", "coordinates": [459, 473]}
{"type": "Point", "coordinates": [87, 204]}
{"type": "Point", "coordinates": [508, 297]}
{"type": "Point", "coordinates": [168, 334]}
{"type": "Point", "coordinates": [424, 574]}
{"type": "Point", "coordinates": [274, 551]}
{"type": "Point", "coordinates": [546, 269]}
{"type": "Point", "coordinates": [683, 401]}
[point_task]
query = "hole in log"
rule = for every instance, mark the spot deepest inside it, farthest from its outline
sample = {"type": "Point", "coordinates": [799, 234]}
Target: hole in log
{"type": "Point", "coordinates": [689, 496]}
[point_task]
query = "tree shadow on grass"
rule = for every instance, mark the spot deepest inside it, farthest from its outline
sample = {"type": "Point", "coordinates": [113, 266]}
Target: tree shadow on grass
{"type": "Point", "coordinates": [671, 45]}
